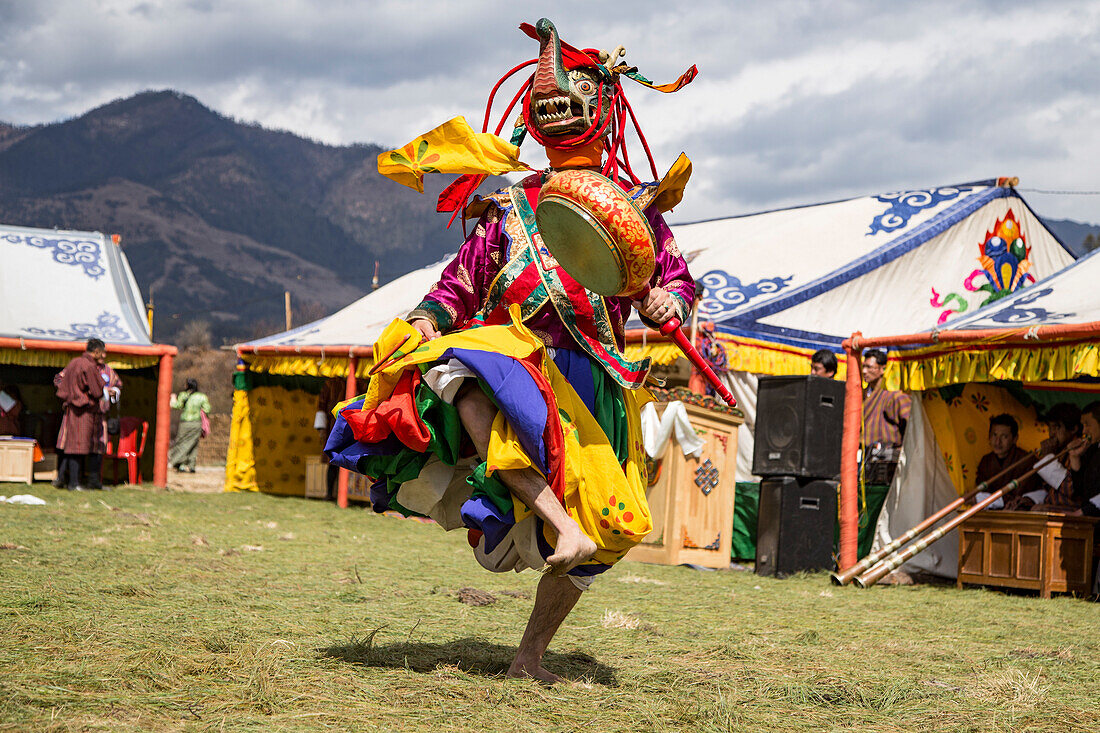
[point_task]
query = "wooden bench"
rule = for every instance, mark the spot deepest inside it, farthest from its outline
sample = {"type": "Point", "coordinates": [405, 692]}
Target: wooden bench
{"type": "Point", "coordinates": [1043, 551]}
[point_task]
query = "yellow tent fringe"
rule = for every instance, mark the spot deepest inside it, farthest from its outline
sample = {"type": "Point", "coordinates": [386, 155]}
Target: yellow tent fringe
{"type": "Point", "coordinates": [60, 359]}
{"type": "Point", "coordinates": [311, 366]}
{"type": "Point", "coordinates": [744, 355]}
{"type": "Point", "coordinates": [940, 365]}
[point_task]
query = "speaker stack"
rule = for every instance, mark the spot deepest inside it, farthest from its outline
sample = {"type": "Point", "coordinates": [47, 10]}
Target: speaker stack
{"type": "Point", "coordinates": [799, 425]}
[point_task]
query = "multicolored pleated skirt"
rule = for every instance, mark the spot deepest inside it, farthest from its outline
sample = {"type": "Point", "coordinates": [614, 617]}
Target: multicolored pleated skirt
{"type": "Point", "coordinates": [558, 412]}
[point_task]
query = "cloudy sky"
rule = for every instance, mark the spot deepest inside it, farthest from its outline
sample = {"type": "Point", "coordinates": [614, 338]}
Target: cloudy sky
{"type": "Point", "coordinates": [796, 102]}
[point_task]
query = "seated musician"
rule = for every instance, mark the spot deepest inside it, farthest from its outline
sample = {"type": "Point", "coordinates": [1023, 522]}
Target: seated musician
{"type": "Point", "coordinates": [1004, 431]}
{"type": "Point", "coordinates": [1063, 424]}
{"type": "Point", "coordinates": [1084, 462]}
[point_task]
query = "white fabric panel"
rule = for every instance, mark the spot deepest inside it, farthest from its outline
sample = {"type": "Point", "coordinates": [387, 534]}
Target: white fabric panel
{"type": "Point", "coordinates": [657, 430]}
{"type": "Point", "coordinates": [68, 286]}
{"type": "Point", "coordinates": [743, 386]}
{"type": "Point", "coordinates": [922, 486]}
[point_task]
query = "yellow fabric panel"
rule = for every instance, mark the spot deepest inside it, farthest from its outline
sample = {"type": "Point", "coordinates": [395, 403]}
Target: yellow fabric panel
{"type": "Point", "coordinates": [240, 462]}
{"type": "Point", "coordinates": [307, 366]}
{"type": "Point", "coordinates": [607, 500]}
{"type": "Point", "coordinates": [270, 441]}
{"type": "Point", "coordinates": [60, 359]}
{"type": "Point", "coordinates": [942, 365]}
{"type": "Point", "coordinates": [453, 147]}
{"type": "Point", "coordinates": [962, 427]}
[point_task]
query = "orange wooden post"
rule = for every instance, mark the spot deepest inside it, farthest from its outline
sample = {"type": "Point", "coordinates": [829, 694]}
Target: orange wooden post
{"type": "Point", "coordinates": [349, 392]}
{"type": "Point", "coordinates": [163, 422]}
{"type": "Point", "coordinates": [849, 464]}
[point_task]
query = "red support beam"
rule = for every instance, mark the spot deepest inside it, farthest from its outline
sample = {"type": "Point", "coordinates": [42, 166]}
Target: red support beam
{"type": "Point", "coordinates": [77, 347]}
{"type": "Point", "coordinates": [849, 464]}
{"type": "Point", "coordinates": [163, 422]}
{"type": "Point", "coordinates": [349, 392]}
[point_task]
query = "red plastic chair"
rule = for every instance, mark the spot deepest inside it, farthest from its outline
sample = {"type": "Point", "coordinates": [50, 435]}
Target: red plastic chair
{"type": "Point", "coordinates": [128, 448]}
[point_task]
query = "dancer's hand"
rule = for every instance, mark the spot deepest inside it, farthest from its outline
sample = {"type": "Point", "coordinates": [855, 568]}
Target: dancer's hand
{"type": "Point", "coordinates": [427, 330]}
{"type": "Point", "coordinates": [658, 306]}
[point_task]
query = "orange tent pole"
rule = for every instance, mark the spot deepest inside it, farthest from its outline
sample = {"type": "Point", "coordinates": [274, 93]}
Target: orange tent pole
{"type": "Point", "coordinates": [849, 465]}
{"type": "Point", "coordinates": [163, 422]}
{"type": "Point", "coordinates": [349, 392]}
{"type": "Point", "coordinates": [77, 347]}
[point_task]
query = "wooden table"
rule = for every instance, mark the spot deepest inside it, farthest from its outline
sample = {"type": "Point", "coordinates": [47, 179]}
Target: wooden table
{"type": "Point", "coordinates": [691, 500]}
{"type": "Point", "coordinates": [1043, 551]}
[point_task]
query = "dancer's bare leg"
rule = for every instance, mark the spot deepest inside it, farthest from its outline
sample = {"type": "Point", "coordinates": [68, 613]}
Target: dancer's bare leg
{"type": "Point", "coordinates": [554, 600]}
{"type": "Point", "coordinates": [573, 546]}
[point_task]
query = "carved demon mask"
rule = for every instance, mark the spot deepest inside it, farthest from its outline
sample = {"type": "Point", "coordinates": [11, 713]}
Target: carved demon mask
{"type": "Point", "coordinates": [567, 101]}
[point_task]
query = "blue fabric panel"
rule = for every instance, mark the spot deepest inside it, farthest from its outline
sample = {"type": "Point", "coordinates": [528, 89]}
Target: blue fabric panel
{"type": "Point", "coordinates": [515, 393]}
{"type": "Point", "coordinates": [480, 513]}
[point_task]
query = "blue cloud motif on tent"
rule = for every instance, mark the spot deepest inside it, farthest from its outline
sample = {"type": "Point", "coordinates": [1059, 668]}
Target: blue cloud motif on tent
{"type": "Point", "coordinates": [1014, 315]}
{"type": "Point", "coordinates": [725, 293]}
{"type": "Point", "coordinates": [903, 204]}
{"type": "Point", "coordinates": [83, 253]}
{"type": "Point", "coordinates": [107, 327]}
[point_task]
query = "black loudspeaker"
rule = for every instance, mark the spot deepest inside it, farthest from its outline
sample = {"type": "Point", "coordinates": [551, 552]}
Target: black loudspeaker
{"type": "Point", "coordinates": [795, 524]}
{"type": "Point", "coordinates": [799, 424]}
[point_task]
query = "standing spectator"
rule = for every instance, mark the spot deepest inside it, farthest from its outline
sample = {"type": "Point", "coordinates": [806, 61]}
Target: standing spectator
{"type": "Point", "coordinates": [823, 364]}
{"type": "Point", "coordinates": [885, 412]}
{"type": "Point", "coordinates": [11, 411]}
{"type": "Point", "coordinates": [80, 387]}
{"type": "Point", "coordinates": [885, 417]}
{"type": "Point", "coordinates": [192, 404]}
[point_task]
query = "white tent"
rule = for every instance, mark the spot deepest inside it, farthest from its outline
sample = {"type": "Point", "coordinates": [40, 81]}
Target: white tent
{"type": "Point", "coordinates": [58, 289]}
{"type": "Point", "coordinates": [69, 286]}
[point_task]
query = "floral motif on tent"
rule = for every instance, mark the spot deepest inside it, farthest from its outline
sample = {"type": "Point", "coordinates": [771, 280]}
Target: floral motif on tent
{"type": "Point", "coordinates": [903, 204]}
{"type": "Point", "coordinates": [82, 253]}
{"type": "Point", "coordinates": [725, 293]}
{"type": "Point", "coordinates": [107, 327]}
{"type": "Point", "coordinates": [1005, 260]}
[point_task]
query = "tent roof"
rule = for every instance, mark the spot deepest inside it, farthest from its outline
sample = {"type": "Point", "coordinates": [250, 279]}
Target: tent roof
{"type": "Point", "coordinates": [807, 277]}
{"type": "Point", "coordinates": [782, 283]}
{"type": "Point", "coordinates": [362, 322]}
{"type": "Point", "coordinates": [60, 285]}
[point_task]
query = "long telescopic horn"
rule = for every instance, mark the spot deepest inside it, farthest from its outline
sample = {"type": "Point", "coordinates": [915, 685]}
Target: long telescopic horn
{"type": "Point", "coordinates": [872, 576]}
{"type": "Point", "coordinates": [846, 576]}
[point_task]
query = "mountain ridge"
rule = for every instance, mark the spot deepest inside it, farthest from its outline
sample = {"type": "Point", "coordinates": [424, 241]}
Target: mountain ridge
{"type": "Point", "coordinates": [210, 209]}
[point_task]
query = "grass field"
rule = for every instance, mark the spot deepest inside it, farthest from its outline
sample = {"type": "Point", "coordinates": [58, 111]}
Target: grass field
{"type": "Point", "coordinates": [147, 610]}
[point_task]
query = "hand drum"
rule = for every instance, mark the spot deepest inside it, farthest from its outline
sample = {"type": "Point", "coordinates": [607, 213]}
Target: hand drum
{"type": "Point", "coordinates": [596, 233]}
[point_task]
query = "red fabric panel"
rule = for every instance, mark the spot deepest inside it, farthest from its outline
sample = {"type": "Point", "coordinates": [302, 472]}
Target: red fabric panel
{"type": "Point", "coordinates": [397, 415]}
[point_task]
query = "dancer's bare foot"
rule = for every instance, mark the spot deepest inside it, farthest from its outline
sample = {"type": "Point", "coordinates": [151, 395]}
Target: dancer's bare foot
{"type": "Point", "coordinates": [534, 671]}
{"type": "Point", "coordinates": [572, 548]}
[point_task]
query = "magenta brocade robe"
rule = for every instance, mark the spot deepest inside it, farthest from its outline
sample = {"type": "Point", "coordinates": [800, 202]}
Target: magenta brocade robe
{"type": "Point", "coordinates": [464, 284]}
